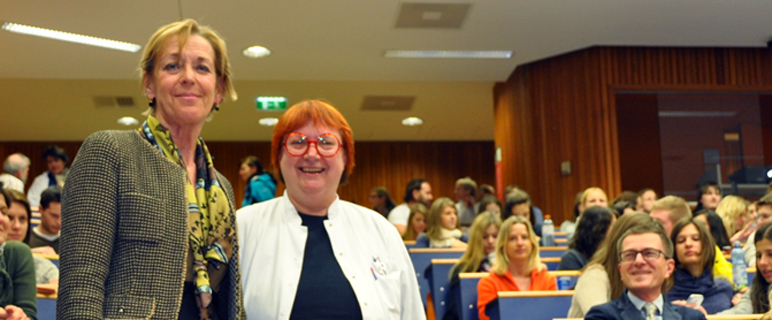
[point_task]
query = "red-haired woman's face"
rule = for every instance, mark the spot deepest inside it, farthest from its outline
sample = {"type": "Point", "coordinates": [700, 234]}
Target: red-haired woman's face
{"type": "Point", "coordinates": [311, 176]}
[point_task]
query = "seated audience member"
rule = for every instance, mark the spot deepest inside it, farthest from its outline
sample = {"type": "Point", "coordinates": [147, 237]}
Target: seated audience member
{"type": "Point", "coordinates": [517, 266]}
{"type": "Point", "coordinates": [764, 212]}
{"type": "Point", "coordinates": [591, 197]}
{"type": "Point", "coordinates": [15, 172]}
{"type": "Point", "coordinates": [645, 265]}
{"type": "Point", "coordinates": [623, 207]}
{"type": "Point", "coordinates": [416, 224]}
{"type": "Point", "coordinates": [491, 204]}
{"type": "Point", "coordinates": [708, 196]}
{"type": "Point", "coordinates": [260, 185]}
{"type": "Point", "coordinates": [538, 216]}
{"type": "Point", "coordinates": [417, 190]}
{"type": "Point", "coordinates": [19, 216]}
{"type": "Point", "coordinates": [380, 201]}
{"type": "Point", "coordinates": [647, 196]}
{"type": "Point", "coordinates": [715, 227]}
{"type": "Point", "coordinates": [47, 233]}
{"type": "Point", "coordinates": [57, 163]}
{"type": "Point", "coordinates": [517, 204]}
{"type": "Point", "coordinates": [668, 210]}
{"type": "Point", "coordinates": [694, 256]}
{"type": "Point", "coordinates": [18, 290]}
{"type": "Point", "coordinates": [733, 211]}
{"type": "Point", "coordinates": [592, 229]}
{"type": "Point", "coordinates": [467, 203]}
{"type": "Point", "coordinates": [600, 282]}
{"type": "Point", "coordinates": [756, 299]}
{"type": "Point", "coordinates": [478, 256]}
{"type": "Point", "coordinates": [753, 211]}
{"type": "Point", "coordinates": [485, 190]}
{"type": "Point", "coordinates": [442, 227]}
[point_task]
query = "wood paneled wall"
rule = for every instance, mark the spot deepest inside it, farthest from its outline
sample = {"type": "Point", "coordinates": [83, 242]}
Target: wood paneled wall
{"type": "Point", "coordinates": [389, 164]}
{"type": "Point", "coordinates": [564, 109]}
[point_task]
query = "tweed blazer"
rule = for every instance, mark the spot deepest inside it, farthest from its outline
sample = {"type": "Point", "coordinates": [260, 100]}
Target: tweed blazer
{"type": "Point", "coordinates": [124, 244]}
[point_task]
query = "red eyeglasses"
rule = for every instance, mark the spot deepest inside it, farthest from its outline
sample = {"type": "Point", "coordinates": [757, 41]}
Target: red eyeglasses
{"type": "Point", "coordinates": [327, 145]}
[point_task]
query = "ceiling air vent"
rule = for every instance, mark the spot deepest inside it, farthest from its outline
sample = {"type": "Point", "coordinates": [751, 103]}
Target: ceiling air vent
{"type": "Point", "coordinates": [113, 102]}
{"type": "Point", "coordinates": [432, 15]}
{"type": "Point", "coordinates": [388, 103]}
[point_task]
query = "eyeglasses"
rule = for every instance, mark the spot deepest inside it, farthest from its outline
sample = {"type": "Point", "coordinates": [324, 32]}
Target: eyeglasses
{"type": "Point", "coordinates": [648, 255]}
{"type": "Point", "coordinates": [327, 145]}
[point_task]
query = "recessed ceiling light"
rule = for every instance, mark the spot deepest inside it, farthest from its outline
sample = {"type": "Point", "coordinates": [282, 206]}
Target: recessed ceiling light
{"type": "Point", "coordinates": [70, 37]}
{"type": "Point", "coordinates": [128, 121]}
{"type": "Point", "coordinates": [268, 122]}
{"type": "Point", "coordinates": [412, 121]}
{"type": "Point", "coordinates": [449, 54]}
{"type": "Point", "coordinates": [256, 52]}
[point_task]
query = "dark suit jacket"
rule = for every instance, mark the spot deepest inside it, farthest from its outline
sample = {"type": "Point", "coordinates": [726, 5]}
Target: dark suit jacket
{"type": "Point", "coordinates": [622, 308]}
{"type": "Point", "coordinates": [124, 244]}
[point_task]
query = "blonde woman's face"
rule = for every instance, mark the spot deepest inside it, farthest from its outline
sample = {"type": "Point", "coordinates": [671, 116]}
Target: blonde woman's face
{"type": "Point", "coordinates": [595, 198]}
{"type": "Point", "coordinates": [519, 245]}
{"type": "Point", "coordinates": [448, 218]}
{"type": "Point", "coordinates": [489, 238]}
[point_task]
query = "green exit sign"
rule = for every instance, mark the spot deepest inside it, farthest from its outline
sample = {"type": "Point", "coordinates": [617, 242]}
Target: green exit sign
{"type": "Point", "coordinates": [271, 103]}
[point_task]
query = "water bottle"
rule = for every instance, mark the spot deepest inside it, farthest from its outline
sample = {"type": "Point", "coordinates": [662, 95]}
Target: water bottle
{"type": "Point", "coordinates": [739, 269]}
{"type": "Point", "coordinates": [548, 232]}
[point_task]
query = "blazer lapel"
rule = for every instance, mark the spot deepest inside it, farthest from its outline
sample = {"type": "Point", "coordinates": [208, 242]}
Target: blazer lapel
{"type": "Point", "coordinates": [626, 308]}
{"type": "Point", "coordinates": [669, 312]}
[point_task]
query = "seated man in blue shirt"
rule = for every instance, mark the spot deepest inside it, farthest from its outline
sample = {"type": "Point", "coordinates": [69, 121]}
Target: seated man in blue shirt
{"type": "Point", "coordinates": [645, 255]}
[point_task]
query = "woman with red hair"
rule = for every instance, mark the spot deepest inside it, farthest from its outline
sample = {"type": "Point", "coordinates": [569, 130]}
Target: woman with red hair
{"type": "Point", "coordinates": [310, 255]}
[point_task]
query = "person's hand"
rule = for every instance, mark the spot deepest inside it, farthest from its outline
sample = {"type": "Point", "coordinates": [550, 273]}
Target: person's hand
{"type": "Point", "coordinates": [458, 244]}
{"type": "Point", "coordinates": [44, 250]}
{"type": "Point", "coordinates": [736, 299]}
{"type": "Point", "coordinates": [691, 306]}
{"type": "Point", "coordinates": [743, 234]}
{"type": "Point", "coordinates": [11, 312]}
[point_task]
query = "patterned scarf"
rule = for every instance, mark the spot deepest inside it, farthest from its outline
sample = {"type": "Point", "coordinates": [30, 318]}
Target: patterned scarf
{"type": "Point", "coordinates": [209, 215]}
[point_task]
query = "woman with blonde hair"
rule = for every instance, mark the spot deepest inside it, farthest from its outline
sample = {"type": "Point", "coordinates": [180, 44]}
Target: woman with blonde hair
{"type": "Point", "coordinates": [416, 223]}
{"type": "Point", "coordinates": [600, 281]}
{"type": "Point", "coordinates": [517, 266]}
{"type": "Point", "coordinates": [442, 227]}
{"type": "Point", "coordinates": [733, 211]}
{"type": "Point", "coordinates": [591, 197]}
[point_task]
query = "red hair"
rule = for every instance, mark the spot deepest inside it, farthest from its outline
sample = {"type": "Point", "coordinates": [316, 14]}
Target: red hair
{"type": "Point", "coordinates": [318, 112]}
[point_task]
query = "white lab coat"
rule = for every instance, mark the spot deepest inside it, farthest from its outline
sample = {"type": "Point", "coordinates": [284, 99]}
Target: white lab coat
{"type": "Point", "coordinates": [368, 249]}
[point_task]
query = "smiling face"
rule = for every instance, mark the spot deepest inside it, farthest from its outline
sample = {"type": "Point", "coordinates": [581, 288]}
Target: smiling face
{"type": "Point", "coordinates": [711, 198]}
{"type": "Point", "coordinates": [489, 238]}
{"type": "Point", "coordinates": [688, 246]}
{"type": "Point", "coordinates": [17, 217]}
{"type": "Point", "coordinates": [764, 259]}
{"type": "Point", "coordinates": [184, 83]}
{"type": "Point", "coordinates": [449, 218]}
{"type": "Point", "coordinates": [519, 245]}
{"type": "Point", "coordinates": [645, 277]}
{"type": "Point", "coordinates": [312, 180]}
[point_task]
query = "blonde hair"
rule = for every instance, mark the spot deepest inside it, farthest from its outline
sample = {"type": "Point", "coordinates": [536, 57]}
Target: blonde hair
{"type": "Point", "coordinates": [677, 207]}
{"type": "Point", "coordinates": [417, 208]}
{"type": "Point", "coordinates": [729, 209]}
{"type": "Point", "coordinates": [434, 217]}
{"type": "Point", "coordinates": [183, 30]}
{"type": "Point", "coordinates": [586, 194]}
{"type": "Point", "coordinates": [475, 252]}
{"type": "Point", "coordinates": [501, 264]}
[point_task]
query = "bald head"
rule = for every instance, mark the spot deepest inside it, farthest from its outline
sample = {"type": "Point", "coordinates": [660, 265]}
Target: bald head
{"type": "Point", "coordinates": [17, 165]}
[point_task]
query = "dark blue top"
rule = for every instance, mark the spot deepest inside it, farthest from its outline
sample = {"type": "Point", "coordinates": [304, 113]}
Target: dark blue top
{"type": "Point", "coordinates": [623, 309]}
{"type": "Point", "coordinates": [323, 290]}
{"type": "Point", "coordinates": [717, 293]}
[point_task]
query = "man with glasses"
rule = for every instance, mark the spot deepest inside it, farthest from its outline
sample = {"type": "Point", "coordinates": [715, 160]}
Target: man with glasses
{"type": "Point", "coordinates": [645, 265]}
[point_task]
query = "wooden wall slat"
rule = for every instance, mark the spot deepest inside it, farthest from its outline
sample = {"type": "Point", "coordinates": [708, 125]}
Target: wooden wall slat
{"type": "Point", "coordinates": [389, 164]}
{"type": "Point", "coordinates": [570, 113]}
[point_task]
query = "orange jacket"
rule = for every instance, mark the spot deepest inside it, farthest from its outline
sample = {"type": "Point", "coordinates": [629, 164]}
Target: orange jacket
{"type": "Point", "coordinates": [489, 286]}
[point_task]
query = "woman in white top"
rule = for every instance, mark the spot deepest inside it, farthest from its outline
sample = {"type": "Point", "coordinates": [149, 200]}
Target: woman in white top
{"type": "Point", "coordinates": [309, 255]}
